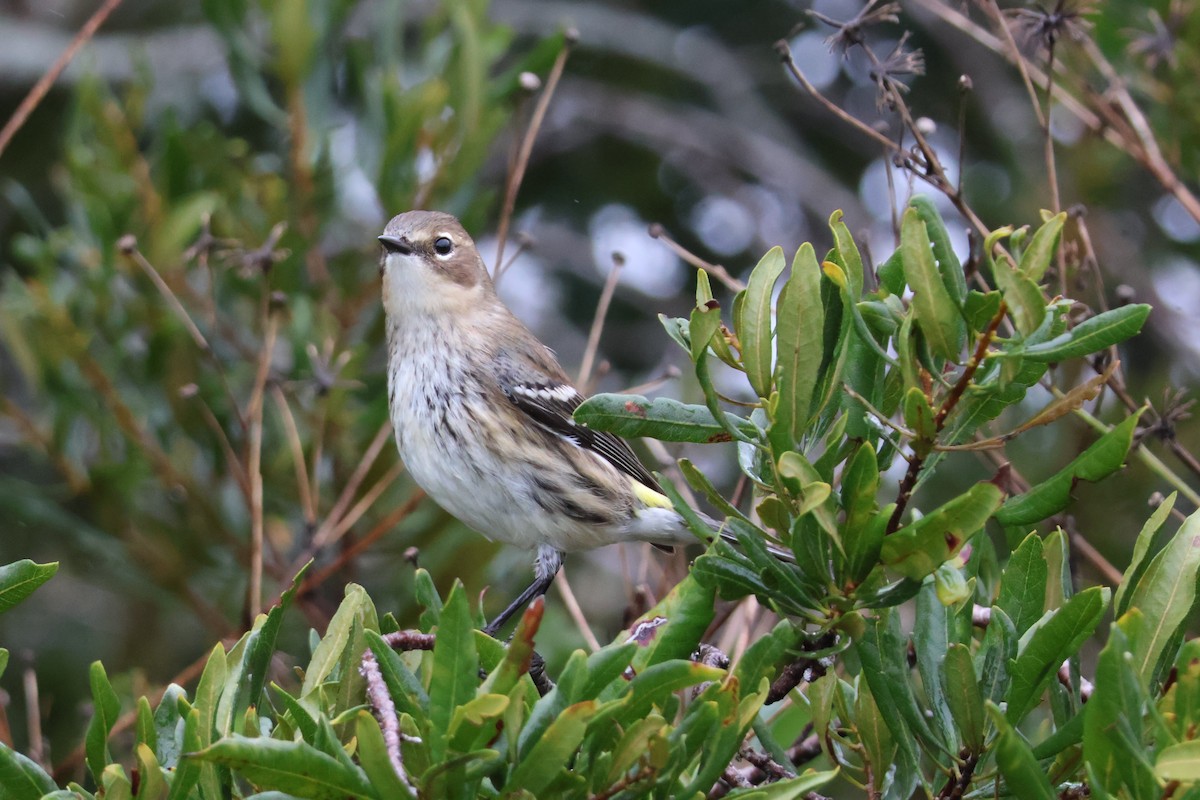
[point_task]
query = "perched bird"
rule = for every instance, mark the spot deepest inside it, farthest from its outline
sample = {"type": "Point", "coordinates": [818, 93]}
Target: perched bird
{"type": "Point", "coordinates": [482, 413]}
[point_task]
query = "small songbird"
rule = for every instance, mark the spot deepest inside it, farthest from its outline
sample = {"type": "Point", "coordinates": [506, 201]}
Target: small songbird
{"type": "Point", "coordinates": [483, 413]}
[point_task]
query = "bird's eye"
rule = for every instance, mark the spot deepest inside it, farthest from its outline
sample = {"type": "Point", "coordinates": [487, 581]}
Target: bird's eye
{"type": "Point", "coordinates": [442, 246]}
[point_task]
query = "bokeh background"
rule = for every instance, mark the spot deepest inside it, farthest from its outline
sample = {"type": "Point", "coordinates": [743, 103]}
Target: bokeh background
{"type": "Point", "coordinates": [123, 444]}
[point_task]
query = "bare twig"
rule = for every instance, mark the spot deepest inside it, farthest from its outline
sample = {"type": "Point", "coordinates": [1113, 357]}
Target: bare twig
{"type": "Point", "coordinates": [513, 184]}
{"type": "Point", "coordinates": [585, 630]}
{"type": "Point", "coordinates": [593, 341]}
{"type": "Point", "coordinates": [731, 283]}
{"type": "Point", "coordinates": [254, 413]}
{"type": "Point", "coordinates": [361, 545]}
{"type": "Point", "coordinates": [42, 87]}
{"type": "Point", "coordinates": [325, 531]}
{"type": "Point", "coordinates": [307, 506]}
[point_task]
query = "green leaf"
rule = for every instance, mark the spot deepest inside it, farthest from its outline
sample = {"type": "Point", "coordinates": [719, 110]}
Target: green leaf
{"type": "Point", "coordinates": [105, 710]}
{"type": "Point", "coordinates": [187, 773]}
{"type": "Point", "coordinates": [329, 651]}
{"type": "Point", "coordinates": [21, 778]}
{"type": "Point", "coordinates": [947, 263]}
{"type": "Point", "coordinates": [883, 652]}
{"type": "Point", "coordinates": [1116, 708]}
{"type": "Point", "coordinates": [673, 628]}
{"type": "Point", "coordinates": [1090, 336]}
{"type": "Point", "coordinates": [704, 322]}
{"type": "Point", "coordinates": [1040, 252]}
{"type": "Point", "coordinates": [1104, 457]}
{"type": "Point", "coordinates": [995, 656]}
{"type": "Point", "coordinates": [962, 693]}
{"type": "Point", "coordinates": [933, 631]}
{"type": "Point", "coordinates": [1179, 762]}
{"type": "Point", "coordinates": [152, 784]}
{"type": "Point", "coordinates": [1137, 562]}
{"type": "Point", "coordinates": [1050, 645]}
{"type": "Point", "coordinates": [936, 311]}
{"type": "Point", "coordinates": [168, 720]}
{"type": "Point", "coordinates": [799, 331]}
{"type": "Point", "coordinates": [862, 536]}
{"type": "Point", "coordinates": [918, 549]}
{"type": "Point", "coordinates": [1023, 585]}
{"type": "Point", "coordinates": [1024, 777]}
{"type": "Point", "coordinates": [980, 308]}
{"type": "Point", "coordinates": [848, 257]}
{"type": "Point", "coordinates": [876, 738]}
{"type": "Point", "coordinates": [752, 319]}
{"type": "Point", "coordinates": [376, 763]}
{"type": "Point", "coordinates": [293, 767]}
{"type": "Point", "coordinates": [455, 674]}
{"type": "Point", "coordinates": [632, 415]}
{"type": "Point", "coordinates": [549, 756]}
{"type": "Point", "coordinates": [19, 579]}
{"type": "Point", "coordinates": [1166, 595]}
{"type": "Point", "coordinates": [208, 696]}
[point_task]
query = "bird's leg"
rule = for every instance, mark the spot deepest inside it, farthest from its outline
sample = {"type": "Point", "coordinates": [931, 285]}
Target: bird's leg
{"type": "Point", "coordinates": [544, 569]}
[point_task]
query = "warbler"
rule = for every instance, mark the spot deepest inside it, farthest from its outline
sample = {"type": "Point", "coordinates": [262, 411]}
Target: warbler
{"type": "Point", "coordinates": [482, 413]}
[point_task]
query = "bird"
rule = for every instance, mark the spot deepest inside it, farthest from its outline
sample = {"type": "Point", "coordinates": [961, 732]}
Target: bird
{"type": "Point", "coordinates": [482, 414]}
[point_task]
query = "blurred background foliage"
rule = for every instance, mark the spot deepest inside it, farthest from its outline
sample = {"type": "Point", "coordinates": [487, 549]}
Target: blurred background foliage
{"type": "Point", "coordinates": [254, 150]}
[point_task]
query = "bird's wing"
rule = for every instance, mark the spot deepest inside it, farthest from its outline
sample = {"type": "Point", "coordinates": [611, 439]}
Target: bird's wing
{"type": "Point", "coordinates": [550, 400]}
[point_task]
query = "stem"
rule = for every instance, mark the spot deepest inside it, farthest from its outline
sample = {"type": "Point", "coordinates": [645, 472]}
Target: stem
{"type": "Point", "coordinates": [513, 185]}
{"type": "Point", "coordinates": [42, 87]}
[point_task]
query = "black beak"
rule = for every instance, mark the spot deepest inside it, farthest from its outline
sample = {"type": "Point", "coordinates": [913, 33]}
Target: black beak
{"type": "Point", "coordinates": [395, 244]}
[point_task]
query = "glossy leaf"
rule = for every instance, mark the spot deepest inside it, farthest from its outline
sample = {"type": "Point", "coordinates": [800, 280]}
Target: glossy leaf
{"type": "Point", "coordinates": [19, 579]}
{"type": "Point", "coordinates": [1115, 709]}
{"type": "Point", "coordinates": [21, 778]}
{"type": "Point", "coordinates": [961, 688]}
{"type": "Point", "coordinates": [918, 549]}
{"type": "Point", "coordinates": [1141, 548]}
{"type": "Point", "coordinates": [848, 257]}
{"type": "Point", "coordinates": [752, 319]}
{"type": "Point", "coordinates": [800, 322]}
{"type": "Point", "coordinates": [936, 311]}
{"type": "Point", "coordinates": [455, 673]}
{"type": "Point", "coordinates": [329, 651]}
{"type": "Point", "coordinates": [105, 710]}
{"type": "Point", "coordinates": [632, 415]}
{"type": "Point", "coordinates": [1105, 456]}
{"type": "Point", "coordinates": [1023, 775]}
{"type": "Point", "coordinates": [293, 767]}
{"type": "Point", "coordinates": [1023, 587]}
{"type": "Point", "coordinates": [376, 763]}
{"type": "Point", "coordinates": [1041, 249]}
{"type": "Point", "coordinates": [1179, 762]}
{"type": "Point", "coordinates": [948, 264]}
{"type": "Point", "coordinates": [1166, 594]}
{"type": "Point", "coordinates": [1050, 645]}
{"type": "Point", "coordinates": [1090, 336]}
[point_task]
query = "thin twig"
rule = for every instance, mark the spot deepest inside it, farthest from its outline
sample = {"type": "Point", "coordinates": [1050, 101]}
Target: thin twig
{"type": "Point", "coordinates": [128, 246]}
{"type": "Point", "coordinates": [361, 545]}
{"type": "Point", "coordinates": [366, 501]}
{"type": "Point", "coordinates": [42, 87]}
{"type": "Point", "coordinates": [513, 184]}
{"type": "Point", "coordinates": [324, 533]}
{"type": "Point", "coordinates": [657, 231]}
{"type": "Point", "coordinates": [585, 630]}
{"type": "Point", "coordinates": [307, 506]}
{"type": "Point", "coordinates": [33, 715]}
{"type": "Point", "coordinates": [254, 413]}
{"type": "Point", "coordinates": [593, 341]}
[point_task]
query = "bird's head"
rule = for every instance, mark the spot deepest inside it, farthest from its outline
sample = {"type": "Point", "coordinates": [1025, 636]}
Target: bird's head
{"type": "Point", "coordinates": [430, 265]}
